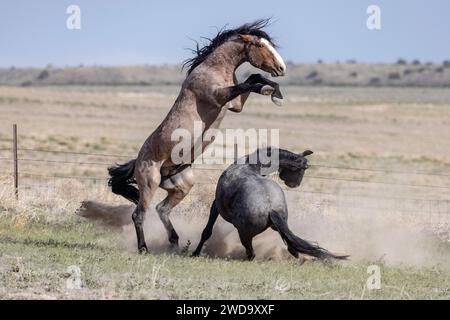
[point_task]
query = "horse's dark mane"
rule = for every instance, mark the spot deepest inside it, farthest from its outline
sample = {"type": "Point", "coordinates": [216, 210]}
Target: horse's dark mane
{"type": "Point", "coordinates": [254, 29]}
{"type": "Point", "coordinates": [287, 159]}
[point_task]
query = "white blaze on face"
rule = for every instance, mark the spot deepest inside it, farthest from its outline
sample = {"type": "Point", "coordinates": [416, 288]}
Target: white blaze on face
{"type": "Point", "coordinates": [275, 53]}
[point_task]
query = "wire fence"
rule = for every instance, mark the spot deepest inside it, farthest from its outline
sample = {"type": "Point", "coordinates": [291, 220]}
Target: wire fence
{"type": "Point", "coordinates": [205, 168]}
{"type": "Point", "coordinates": [404, 204]}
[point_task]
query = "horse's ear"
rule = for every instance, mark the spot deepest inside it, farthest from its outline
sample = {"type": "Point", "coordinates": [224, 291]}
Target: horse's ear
{"type": "Point", "coordinates": [247, 38]}
{"type": "Point", "coordinates": [307, 153]}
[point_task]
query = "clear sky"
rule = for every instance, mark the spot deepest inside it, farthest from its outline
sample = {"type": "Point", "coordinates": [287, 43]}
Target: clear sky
{"type": "Point", "coordinates": [34, 33]}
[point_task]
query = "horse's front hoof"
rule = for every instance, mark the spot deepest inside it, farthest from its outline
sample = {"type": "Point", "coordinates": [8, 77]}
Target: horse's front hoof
{"type": "Point", "coordinates": [277, 101]}
{"type": "Point", "coordinates": [267, 90]}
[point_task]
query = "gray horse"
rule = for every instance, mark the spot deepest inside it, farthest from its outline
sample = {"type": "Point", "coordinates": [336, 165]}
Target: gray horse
{"type": "Point", "coordinates": [253, 203]}
{"type": "Point", "coordinates": [210, 89]}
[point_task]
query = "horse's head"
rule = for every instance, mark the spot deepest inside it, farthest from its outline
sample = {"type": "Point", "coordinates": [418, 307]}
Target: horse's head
{"type": "Point", "coordinates": [261, 53]}
{"type": "Point", "coordinates": [291, 170]}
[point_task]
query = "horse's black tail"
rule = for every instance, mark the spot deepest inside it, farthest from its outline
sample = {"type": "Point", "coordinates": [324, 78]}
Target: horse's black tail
{"type": "Point", "coordinates": [122, 181]}
{"type": "Point", "coordinates": [298, 244]}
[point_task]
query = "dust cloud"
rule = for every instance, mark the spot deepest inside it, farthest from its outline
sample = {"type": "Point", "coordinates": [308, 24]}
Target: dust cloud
{"type": "Point", "coordinates": [364, 232]}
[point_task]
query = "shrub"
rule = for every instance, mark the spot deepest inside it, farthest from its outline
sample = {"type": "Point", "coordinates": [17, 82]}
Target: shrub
{"type": "Point", "coordinates": [394, 76]}
{"type": "Point", "coordinates": [43, 75]}
{"type": "Point", "coordinates": [374, 81]}
{"type": "Point", "coordinates": [313, 74]}
{"type": "Point", "coordinates": [408, 71]}
{"type": "Point", "coordinates": [26, 83]}
{"type": "Point", "coordinates": [401, 61]}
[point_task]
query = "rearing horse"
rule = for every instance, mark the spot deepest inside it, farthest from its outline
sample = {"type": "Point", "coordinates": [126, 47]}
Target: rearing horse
{"type": "Point", "coordinates": [210, 85]}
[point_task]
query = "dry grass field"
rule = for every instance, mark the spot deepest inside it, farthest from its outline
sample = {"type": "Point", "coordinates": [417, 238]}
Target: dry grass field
{"type": "Point", "coordinates": [378, 189]}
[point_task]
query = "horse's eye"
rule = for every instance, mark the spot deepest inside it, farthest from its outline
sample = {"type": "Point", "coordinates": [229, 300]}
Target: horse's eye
{"type": "Point", "coordinates": [259, 45]}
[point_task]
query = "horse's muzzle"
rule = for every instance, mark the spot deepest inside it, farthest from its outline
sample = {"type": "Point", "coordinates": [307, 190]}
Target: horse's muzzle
{"type": "Point", "coordinates": [279, 72]}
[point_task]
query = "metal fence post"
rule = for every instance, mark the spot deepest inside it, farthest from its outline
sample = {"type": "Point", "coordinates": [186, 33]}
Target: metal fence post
{"type": "Point", "coordinates": [15, 163]}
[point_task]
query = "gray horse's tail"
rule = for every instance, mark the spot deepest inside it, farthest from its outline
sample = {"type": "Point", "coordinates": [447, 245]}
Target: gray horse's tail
{"type": "Point", "coordinates": [122, 181]}
{"type": "Point", "coordinates": [298, 244]}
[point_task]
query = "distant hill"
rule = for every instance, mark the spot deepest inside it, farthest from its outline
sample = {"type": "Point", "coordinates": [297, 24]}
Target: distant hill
{"type": "Point", "coordinates": [328, 74]}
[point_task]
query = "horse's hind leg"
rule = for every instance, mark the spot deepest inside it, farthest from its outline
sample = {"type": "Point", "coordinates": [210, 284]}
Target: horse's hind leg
{"type": "Point", "coordinates": [206, 234]}
{"type": "Point", "coordinates": [246, 241]}
{"type": "Point", "coordinates": [148, 178]}
{"type": "Point", "coordinates": [178, 187]}
{"type": "Point", "coordinates": [164, 208]}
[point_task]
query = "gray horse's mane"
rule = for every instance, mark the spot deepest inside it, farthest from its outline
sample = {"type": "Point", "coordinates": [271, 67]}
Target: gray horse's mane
{"type": "Point", "coordinates": [253, 28]}
{"type": "Point", "coordinates": [286, 159]}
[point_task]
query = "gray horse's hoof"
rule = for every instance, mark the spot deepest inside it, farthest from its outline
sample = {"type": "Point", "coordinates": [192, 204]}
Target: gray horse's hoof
{"type": "Point", "coordinates": [143, 250]}
{"type": "Point", "coordinates": [174, 249]}
{"type": "Point", "coordinates": [267, 90]}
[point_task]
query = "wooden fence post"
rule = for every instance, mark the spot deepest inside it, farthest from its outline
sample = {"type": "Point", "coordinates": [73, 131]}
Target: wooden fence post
{"type": "Point", "coordinates": [15, 163]}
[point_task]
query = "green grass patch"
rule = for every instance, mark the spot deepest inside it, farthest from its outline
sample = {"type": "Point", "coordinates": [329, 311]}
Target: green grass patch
{"type": "Point", "coordinates": [36, 255]}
